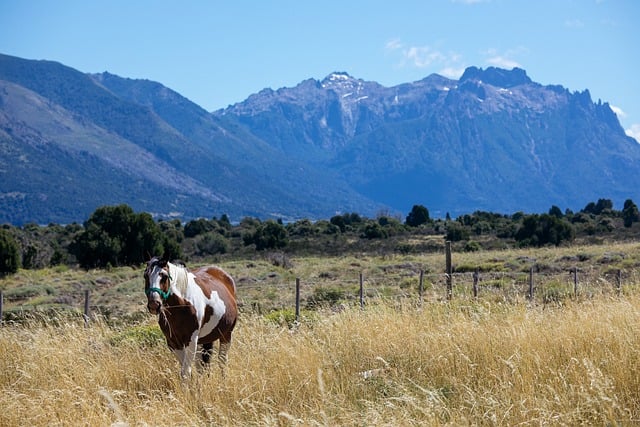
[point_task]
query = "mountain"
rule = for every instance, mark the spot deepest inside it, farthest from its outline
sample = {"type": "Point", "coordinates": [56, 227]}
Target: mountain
{"type": "Point", "coordinates": [71, 142]}
{"type": "Point", "coordinates": [492, 140]}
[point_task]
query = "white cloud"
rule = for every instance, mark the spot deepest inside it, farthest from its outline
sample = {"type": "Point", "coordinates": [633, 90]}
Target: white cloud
{"type": "Point", "coordinates": [504, 59]}
{"type": "Point", "coordinates": [634, 132]}
{"type": "Point", "coordinates": [621, 114]}
{"type": "Point", "coordinates": [394, 44]}
{"type": "Point", "coordinates": [503, 62]}
{"type": "Point", "coordinates": [424, 56]}
{"type": "Point", "coordinates": [451, 72]}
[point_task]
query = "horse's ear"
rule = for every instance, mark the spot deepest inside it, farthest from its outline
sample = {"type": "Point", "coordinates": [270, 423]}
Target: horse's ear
{"type": "Point", "coordinates": [164, 260]}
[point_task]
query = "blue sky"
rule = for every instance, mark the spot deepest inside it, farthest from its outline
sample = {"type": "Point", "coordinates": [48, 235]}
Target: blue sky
{"type": "Point", "coordinates": [217, 53]}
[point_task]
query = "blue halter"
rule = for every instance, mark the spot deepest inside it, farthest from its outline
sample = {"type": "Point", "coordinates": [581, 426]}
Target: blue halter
{"type": "Point", "coordinates": [164, 295]}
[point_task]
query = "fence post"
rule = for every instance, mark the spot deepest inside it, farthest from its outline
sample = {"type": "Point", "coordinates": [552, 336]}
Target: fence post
{"type": "Point", "coordinates": [449, 270]}
{"type": "Point", "coordinates": [297, 299]}
{"type": "Point", "coordinates": [618, 283]}
{"type": "Point", "coordinates": [574, 270]}
{"type": "Point", "coordinates": [421, 287]}
{"type": "Point", "coordinates": [1, 304]}
{"type": "Point", "coordinates": [476, 275]}
{"type": "Point", "coordinates": [361, 291]}
{"type": "Point", "coordinates": [86, 308]}
{"type": "Point", "coordinates": [531, 284]}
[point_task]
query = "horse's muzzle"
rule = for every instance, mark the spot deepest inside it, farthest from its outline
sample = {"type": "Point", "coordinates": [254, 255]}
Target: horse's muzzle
{"type": "Point", "coordinates": [154, 306]}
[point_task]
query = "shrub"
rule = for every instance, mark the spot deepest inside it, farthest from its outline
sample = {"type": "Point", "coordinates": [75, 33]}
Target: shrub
{"type": "Point", "coordinates": [419, 215]}
{"type": "Point", "coordinates": [9, 254]}
{"type": "Point", "coordinates": [212, 243]}
{"type": "Point", "coordinates": [283, 317]}
{"type": "Point", "coordinates": [139, 336]}
{"type": "Point", "coordinates": [325, 296]}
{"type": "Point", "coordinates": [472, 246]}
{"type": "Point", "coordinates": [374, 230]}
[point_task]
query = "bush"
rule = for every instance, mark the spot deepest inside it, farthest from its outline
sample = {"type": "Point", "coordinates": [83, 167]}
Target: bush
{"type": "Point", "coordinates": [284, 317]}
{"type": "Point", "coordinates": [419, 215]}
{"type": "Point", "coordinates": [374, 230]}
{"type": "Point", "coordinates": [472, 246]}
{"type": "Point", "coordinates": [457, 232]}
{"type": "Point", "coordinates": [268, 235]}
{"type": "Point", "coordinates": [115, 235]}
{"type": "Point", "coordinates": [325, 296]}
{"type": "Point", "coordinates": [9, 254]}
{"type": "Point", "coordinates": [139, 336]}
{"type": "Point", "coordinates": [212, 243]}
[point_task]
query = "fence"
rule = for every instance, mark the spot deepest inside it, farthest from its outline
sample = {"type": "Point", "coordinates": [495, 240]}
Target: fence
{"type": "Point", "coordinates": [419, 286]}
{"type": "Point", "coordinates": [86, 313]}
{"type": "Point", "coordinates": [412, 283]}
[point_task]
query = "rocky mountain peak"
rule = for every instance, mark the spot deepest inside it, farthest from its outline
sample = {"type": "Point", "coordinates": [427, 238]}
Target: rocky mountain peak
{"type": "Point", "coordinates": [498, 77]}
{"type": "Point", "coordinates": [342, 83]}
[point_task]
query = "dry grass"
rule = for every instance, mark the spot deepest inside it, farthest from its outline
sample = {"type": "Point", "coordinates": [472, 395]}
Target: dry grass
{"type": "Point", "coordinates": [442, 364]}
{"type": "Point", "coordinates": [464, 362]}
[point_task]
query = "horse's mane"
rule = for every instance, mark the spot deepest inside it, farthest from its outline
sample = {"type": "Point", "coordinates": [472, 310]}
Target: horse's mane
{"type": "Point", "coordinates": [180, 276]}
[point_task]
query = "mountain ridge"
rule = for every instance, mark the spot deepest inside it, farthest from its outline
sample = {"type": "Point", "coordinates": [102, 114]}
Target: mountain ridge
{"type": "Point", "coordinates": [201, 166]}
{"type": "Point", "coordinates": [446, 136]}
{"type": "Point", "coordinates": [492, 140]}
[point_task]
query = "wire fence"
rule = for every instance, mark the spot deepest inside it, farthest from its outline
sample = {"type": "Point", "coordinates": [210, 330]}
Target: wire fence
{"type": "Point", "coordinates": [418, 287]}
{"type": "Point", "coordinates": [411, 283]}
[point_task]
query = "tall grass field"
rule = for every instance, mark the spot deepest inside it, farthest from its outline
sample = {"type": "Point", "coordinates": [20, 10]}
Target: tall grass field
{"type": "Point", "coordinates": [444, 363]}
{"type": "Point", "coordinates": [560, 358]}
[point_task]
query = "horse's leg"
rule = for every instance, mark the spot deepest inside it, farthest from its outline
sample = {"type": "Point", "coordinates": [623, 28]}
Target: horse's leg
{"type": "Point", "coordinates": [207, 351]}
{"type": "Point", "coordinates": [223, 351]}
{"type": "Point", "coordinates": [188, 354]}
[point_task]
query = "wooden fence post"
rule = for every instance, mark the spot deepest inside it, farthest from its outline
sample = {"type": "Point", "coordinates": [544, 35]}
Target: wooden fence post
{"type": "Point", "coordinates": [476, 276]}
{"type": "Point", "coordinates": [361, 291]}
{"type": "Point", "coordinates": [86, 308]}
{"type": "Point", "coordinates": [421, 287]}
{"type": "Point", "coordinates": [449, 270]}
{"type": "Point", "coordinates": [297, 299]}
{"type": "Point", "coordinates": [574, 270]}
{"type": "Point", "coordinates": [531, 284]}
{"type": "Point", "coordinates": [618, 283]}
{"type": "Point", "coordinates": [1, 304]}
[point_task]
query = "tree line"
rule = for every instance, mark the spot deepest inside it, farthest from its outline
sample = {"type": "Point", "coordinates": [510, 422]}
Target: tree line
{"type": "Point", "coordinates": [116, 235]}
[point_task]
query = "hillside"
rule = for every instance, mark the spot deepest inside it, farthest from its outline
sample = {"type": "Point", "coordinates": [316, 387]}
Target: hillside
{"type": "Point", "coordinates": [72, 142]}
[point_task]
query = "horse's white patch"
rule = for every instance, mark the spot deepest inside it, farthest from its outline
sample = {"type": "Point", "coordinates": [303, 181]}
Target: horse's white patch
{"type": "Point", "coordinates": [200, 302]}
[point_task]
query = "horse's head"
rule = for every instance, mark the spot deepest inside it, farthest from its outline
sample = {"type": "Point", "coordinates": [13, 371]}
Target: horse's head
{"type": "Point", "coordinates": [156, 283]}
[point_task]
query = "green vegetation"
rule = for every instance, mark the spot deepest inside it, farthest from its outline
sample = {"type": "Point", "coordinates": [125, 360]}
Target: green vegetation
{"type": "Point", "coordinates": [9, 255]}
{"type": "Point", "coordinates": [117, 236]}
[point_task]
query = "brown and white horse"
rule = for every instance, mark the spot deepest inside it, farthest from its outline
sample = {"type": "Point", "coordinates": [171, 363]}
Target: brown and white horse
{"type": "Point", "coordinates": [194, 308]}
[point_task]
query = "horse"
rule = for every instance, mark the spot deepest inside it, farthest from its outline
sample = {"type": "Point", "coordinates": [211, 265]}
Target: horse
{"type": "Point", "coordinates": [194, 308]}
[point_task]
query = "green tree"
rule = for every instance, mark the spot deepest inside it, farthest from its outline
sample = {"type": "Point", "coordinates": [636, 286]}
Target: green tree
{"type": "Point", "coordinates": [115, 235]}
{"type": "Point", "coordinates": [373, 230]}
{"type": "Point", "coordinates": [198, 226]}
{"type": "Point", "coordinates": [419, 215]}
{"type": "Point", "coordinates": [630, 213]}
{"type": "Point", "coordinates": [9, 253]}
{"type": "Point", "coordinates": [540, 230]}
{"type": "Point", "coordinates": [268, 235]}
{"type": "Point", "coordinates": [456, 232]}
{"type": "Point", "coordinates": [598, 208]}
{"type": "Point", "coordinates": [555, 211]}
{"type": "Point", "coordinates": [212, 243]}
